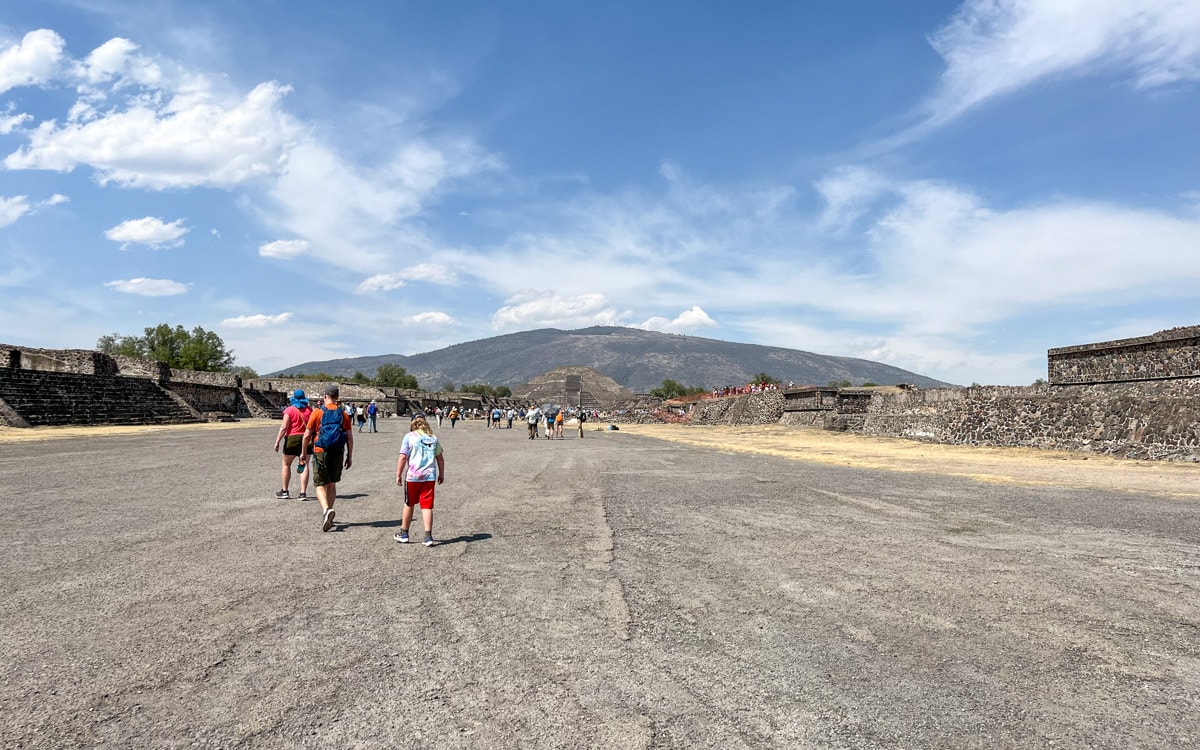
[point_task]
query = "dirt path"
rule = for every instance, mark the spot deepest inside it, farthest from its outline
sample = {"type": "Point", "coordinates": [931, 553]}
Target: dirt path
{"type": "Point", "coordinates": [1019, 466]}
{"type": "Point", "coordinates": [618, 591]}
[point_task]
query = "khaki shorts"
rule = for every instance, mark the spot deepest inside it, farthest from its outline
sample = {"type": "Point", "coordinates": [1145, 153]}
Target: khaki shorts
{"type": "Point", "coordinates": [327, 466]}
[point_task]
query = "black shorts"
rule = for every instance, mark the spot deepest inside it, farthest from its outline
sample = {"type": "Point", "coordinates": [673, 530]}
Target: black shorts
{"type": "Point", "coordinates": [291, 445]}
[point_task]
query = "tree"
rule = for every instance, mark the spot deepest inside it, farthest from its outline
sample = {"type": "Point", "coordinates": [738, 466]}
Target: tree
{"type": "Point", "coordinates": [503, 391]}
{"type": "Point", "coordinates": [199, 350]}
{"type": "Point", "coordinates": [480, 389]}
{"type": "Point", "coordinates": [448, 387]}
{"type": "Point", "coordinates": [202, 350]}
{"type": "Point", "coordinates": [840, 383]}
{"type": "Point", "coordinates": [762, 377]}
{"type": "Point", "coordinates": [125, 346]}
{"type": "Point", "coordinates": [395, 376]}
{"type": "Point", "coordinates": [360, 379]}
{"type": "Point", "coordinates": [245, 373]}
{"type": "Point", "coordinates": [869, 384]}
{"type": "Point", "coordinates": [671, 389]}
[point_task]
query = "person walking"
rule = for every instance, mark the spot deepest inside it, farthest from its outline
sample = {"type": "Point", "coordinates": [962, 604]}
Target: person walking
{"type": "Point", "coordinates": [453, 416]}
{"type": "Point", "coordinates": [419, 467]}
{"type": "Point", "coordinates": [533, 416]}
{"type": "Point", "coordinates": [438, 412]}
{"type": "Point", "coordinates": [558, 424]}
{"type": "Point", "coordinates": [510, 414]}
{"type": "Point", "coordinates": [582, 419]}
{"type": "Point", "coordinates": [372, 417]}
{"type": "Point", "coordinates": [332, 442]}
{"type": "Point", "coordinates": [291, 435]}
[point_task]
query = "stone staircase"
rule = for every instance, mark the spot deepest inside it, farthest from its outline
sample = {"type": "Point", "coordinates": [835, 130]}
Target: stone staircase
{"type": "Point", "coordinates": [262, 406]}
{"type": "Point", "coordinates": [588, 401]}
{"type": "Point", "coordinates": [58, 398]}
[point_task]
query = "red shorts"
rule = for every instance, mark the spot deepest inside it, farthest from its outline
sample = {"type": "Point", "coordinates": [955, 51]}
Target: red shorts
{"type": "Point", "coordinates": [420, 493]}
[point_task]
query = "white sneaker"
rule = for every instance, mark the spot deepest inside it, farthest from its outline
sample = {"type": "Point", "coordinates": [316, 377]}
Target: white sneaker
{"type": "Point", "coordinates": [327, 524]}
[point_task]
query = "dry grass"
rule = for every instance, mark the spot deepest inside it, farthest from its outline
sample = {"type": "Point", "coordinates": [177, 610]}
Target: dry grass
{"type": "Point", "coordinates": [1023, 466]}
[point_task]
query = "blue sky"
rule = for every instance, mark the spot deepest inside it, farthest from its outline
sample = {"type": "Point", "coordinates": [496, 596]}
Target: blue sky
{"type": "Point", "coordinates": [949, 187]}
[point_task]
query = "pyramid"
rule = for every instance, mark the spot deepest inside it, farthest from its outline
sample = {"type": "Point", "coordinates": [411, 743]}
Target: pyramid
{"type": "Point", "coordinates": [573, 386]}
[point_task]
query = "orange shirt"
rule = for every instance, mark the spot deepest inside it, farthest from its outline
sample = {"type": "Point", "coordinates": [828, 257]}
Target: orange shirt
{"type": "Point", "coordinates": [314, 424]}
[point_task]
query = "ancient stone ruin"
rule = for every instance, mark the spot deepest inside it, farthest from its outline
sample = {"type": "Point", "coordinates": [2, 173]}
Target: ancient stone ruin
{"type": "Point", "coordinates": [574, 386]}
{"type": "Point", "coordinates": [42, 387]}
{"type": "Point", "coordinates": [1137, 397]}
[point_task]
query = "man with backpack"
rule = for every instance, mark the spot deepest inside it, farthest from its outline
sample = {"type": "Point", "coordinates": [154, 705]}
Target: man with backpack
{"type": "Point", "coordinates": [332, 442]}
{"type": "Point", "coordinates": [372, 416]}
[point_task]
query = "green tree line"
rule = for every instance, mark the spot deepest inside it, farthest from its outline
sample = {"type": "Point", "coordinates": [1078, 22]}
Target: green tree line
{"type": "Point", "coordinates": [197, 349]}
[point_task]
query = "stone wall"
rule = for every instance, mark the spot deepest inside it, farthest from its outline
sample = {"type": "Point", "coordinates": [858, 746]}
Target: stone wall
{"type": "Point", "coordinates": [1174, 353]}
{"type": "Point", "coordinates": [82, 361]}
{"type": "Point", "coordinates": [211, 398]}
{"type": "Point", "coordinates": [1157, 419]}
{"type": "Point", "coordinates": [809, 398]}
{"type": "Point", "coordinates": [218, 379]}
{"type": "Point", "coordinates": [754, 408]}
{"type": "Point", "coordinates": [133, 367]}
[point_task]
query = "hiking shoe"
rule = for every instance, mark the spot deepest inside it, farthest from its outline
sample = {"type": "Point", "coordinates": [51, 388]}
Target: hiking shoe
{"type": "Point", "coordinates": [429, 540]}
{"type": "Point", "coordinates": [402, 537]}
{"type": "Point", "coordinates": [283, 495]}
{"type": "Point", "coordinates": [303, 496]}
{"type": "Point", "coordinates": [327, 524]}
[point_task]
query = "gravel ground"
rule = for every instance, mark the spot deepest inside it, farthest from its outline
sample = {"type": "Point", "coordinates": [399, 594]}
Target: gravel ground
{"type": "Point", "coordinates": [617, 591]}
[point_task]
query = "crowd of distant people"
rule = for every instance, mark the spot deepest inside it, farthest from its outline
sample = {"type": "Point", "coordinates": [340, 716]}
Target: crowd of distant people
{"type": "Point", "coordinates": [741, 390]}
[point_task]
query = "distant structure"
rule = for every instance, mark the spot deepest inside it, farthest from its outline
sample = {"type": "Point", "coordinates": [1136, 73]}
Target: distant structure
{"type": "Point", "coordinates": [573, 386]}
{"type": "Point", "coordinates": [1136, 397]}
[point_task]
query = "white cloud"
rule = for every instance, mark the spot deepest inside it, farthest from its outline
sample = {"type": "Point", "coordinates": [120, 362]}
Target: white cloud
{"type": "Point", "coordinates": [382, 282]}
{"type": "Point", "coordinates": [688, 320]}
{"type": "Point", "coordinates": [993, 47]}
{"type": "Point", "coordinates": [429, 319]}
{"type": "Point", "coordinates": [355, 216]}
{"type": "Point", "coordinates": [149, 231]}
{"type": "Point", "coordinates": [385, 282]}
{"type": "Point", "coordinates": [256, 321]}
{"type": "Point", "coordinates": [117, 59]}
{"type": "Point", "coordinates": [33, 61]}
{"type": "Point", "coordinates": [848, 193]}
{"type": "Point", "coordinates": [535, 309]}
{"type": "Point", "coordinates": [12, 209]}
{"type": "Point", "coordinates": [148, 287]}
{"type": "Point", "coordinates": [283, 249]}
{"type": "Point", "coordinates": [55, 199]}
{"type": "Point", "coordinates": [9, 123]}
{"type": "Point", "coordinates": [431, 272]}
{"type": "Point", "coordinates": [192, 139]}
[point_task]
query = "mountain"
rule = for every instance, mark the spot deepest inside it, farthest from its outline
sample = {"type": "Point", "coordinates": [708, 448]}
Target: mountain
{"type": "Point", "coordinates": [639, 360]}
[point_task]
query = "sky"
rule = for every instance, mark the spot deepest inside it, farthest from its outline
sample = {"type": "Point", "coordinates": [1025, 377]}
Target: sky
{"type": "Point", "coordinates": [947, 187]}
